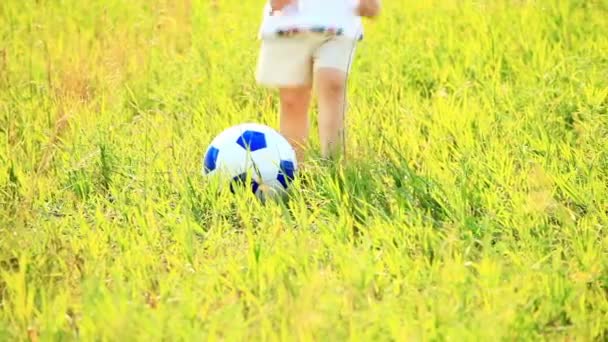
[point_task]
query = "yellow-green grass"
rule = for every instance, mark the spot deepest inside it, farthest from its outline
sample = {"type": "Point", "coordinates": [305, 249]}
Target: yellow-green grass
{"type": "Point", "coordinates": [473, 204]}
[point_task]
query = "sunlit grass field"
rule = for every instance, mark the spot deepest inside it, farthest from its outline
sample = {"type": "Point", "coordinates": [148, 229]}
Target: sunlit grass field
{"type": "Point", "coordinates": [473, 203]}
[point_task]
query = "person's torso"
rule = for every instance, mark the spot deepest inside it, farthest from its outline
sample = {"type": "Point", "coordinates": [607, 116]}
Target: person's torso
{"type": "Point", "coordinates": [304, 14]}
{"type": "Point", "coordinates": [327, 8]}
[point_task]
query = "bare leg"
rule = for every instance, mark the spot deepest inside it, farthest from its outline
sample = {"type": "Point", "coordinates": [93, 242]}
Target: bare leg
{"type": "Point", "coordinates": [331, 93]}
{"type": "Point", "coordinates": [294, 117]}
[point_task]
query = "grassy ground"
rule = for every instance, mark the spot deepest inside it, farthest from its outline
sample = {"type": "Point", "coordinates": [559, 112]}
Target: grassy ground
{"type": "Point", "coordinates": [474, 205]}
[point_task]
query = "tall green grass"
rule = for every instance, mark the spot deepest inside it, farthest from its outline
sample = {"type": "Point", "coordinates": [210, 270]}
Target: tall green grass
{"type": "Point", "coordinates": [473, 205]}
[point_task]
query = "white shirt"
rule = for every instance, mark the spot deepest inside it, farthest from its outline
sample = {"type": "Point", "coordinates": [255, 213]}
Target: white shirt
{"type": "Point", "coordinates": [308, 14]}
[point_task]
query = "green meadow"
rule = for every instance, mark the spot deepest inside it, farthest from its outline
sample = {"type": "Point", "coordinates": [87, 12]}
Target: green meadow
{"type": "Point", "coordinates": [473, 204]}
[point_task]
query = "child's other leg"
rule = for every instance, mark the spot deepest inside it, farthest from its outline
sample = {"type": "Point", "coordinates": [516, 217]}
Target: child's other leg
{"type": "Point", "coordinates": [331, 94]}
{"type": "Point", "coordinates": [295, 102]}
{"type": "Point", "coordinates": [332, 65]}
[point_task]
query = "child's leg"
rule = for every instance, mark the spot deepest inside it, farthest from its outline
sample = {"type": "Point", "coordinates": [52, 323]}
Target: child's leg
{"type": "Point", "coordinates": [332, 65]}
{"type": "Point", "coordinates": [331, 93]}
{"type": "Point", "coordinates": [295, 102]}
{"type": "Point", "coordinates": [286, 64]}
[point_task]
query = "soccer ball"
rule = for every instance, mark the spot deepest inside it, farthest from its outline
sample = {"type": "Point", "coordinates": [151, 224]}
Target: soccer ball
{"type": "Point", "coordinates": [253, 156]}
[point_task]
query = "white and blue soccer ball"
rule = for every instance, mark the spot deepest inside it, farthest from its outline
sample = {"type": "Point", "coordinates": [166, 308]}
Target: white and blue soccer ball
{"type": "Point", "coordinates": [253, 156]}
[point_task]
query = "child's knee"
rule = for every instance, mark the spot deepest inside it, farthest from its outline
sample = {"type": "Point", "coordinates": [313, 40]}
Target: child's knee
{"type": "Point", "coordinates": [294, 100]}
{"type": "Point", "coordinates": [332, 82]}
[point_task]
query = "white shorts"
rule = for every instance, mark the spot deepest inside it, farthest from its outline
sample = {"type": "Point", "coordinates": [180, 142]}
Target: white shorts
{"type": "Point", "coordinates": [291, 61]}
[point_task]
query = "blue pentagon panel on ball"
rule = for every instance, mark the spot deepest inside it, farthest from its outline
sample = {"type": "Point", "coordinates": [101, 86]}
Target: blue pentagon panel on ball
{"type": "Point", "coordinates": [211, 159]}
{"type": "Point", "coordinates": [240, 180]}
{"type": "Point", "coordinates": [286, 173]}
{"type": "Point", "coordinates": [252, 140]}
